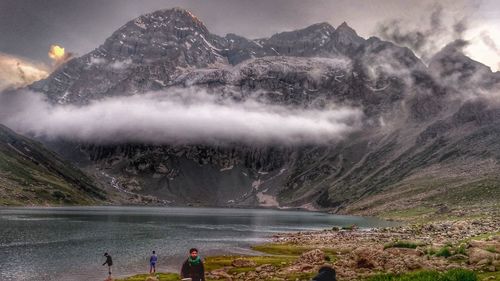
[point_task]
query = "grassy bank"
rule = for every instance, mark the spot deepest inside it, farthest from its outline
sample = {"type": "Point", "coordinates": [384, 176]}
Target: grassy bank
{"type": "Point", "coordinates": [276, 255]}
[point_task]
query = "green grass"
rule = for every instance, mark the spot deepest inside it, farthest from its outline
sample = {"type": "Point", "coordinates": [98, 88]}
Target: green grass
{"type": "Point", "coordinates": [444, 252]}
{"type": "Point", "coordinates": [350, 227]}
{"type": "Point", "coordinates": [490, 276]}
{"type": "Point", "coordinates": [301, 276]}
{"type": "Point", "coordinates": [278, 255]}
{"type": "Point", "coordinates": [491, 249]}
{"type": "Point", "coordinates": [402, 244]}
{"type": "Point", "coordinates": [411, 214]}
{"type": "Point", "coordinates": [451, 275]}
{"type": "Point", "coordinates": [461, 250]}
{"type": "Point", "coordinates": [161, 277]}
{"type": "Point", "coordinates": [281, 255]}
{"type": "Point", "coordinates": [483, 236]}
{"type": "Point", "coordinates": [279, 261]}
{"type": "Point", "coordinates": [31, 174]}
{"type": "Point", "coordinates": [216, 262]}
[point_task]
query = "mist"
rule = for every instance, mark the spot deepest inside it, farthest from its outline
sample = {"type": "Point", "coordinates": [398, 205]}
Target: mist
{"type": "Point", "coordinates": [429, 36]}
{"type": "Point", "coordinates": [18, 72]}
{"type": "Point", "coordinates": [176, 117]}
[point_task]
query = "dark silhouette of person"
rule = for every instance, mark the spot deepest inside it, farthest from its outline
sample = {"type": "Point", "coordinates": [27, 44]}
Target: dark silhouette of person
{"type": "Point", "coordinates": [325, 273]}
{"type": "Point", "coordinates": [193, 267]}
{"type": "Point", "coordinates": [109, 262]}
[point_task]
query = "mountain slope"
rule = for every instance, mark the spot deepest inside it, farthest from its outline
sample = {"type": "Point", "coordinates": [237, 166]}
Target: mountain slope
{"type": "Point", "coordinates": [30, 174]}
{"type": "Point", "coordinates": [428, 135]}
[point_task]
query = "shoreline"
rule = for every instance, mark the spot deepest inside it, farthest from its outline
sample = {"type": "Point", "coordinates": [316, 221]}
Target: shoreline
{"type": "Point", "coordinates": [470, 244]}
{"type": "Point", "coordinates": [356, 253]}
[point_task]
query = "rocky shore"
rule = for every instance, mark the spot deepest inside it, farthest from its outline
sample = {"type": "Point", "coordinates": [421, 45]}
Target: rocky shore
{"type": "Point", "coordinates": [360, 254]}
{"type": "Point", "coordinates": [472, 244]}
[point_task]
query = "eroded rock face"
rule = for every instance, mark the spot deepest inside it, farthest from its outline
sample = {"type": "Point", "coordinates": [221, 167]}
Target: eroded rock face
{"type": "Point", "coordinates": [414, 118]}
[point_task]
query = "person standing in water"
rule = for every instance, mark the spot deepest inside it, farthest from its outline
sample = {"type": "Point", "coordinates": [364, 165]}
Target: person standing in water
{"type": "Point", "coordinates": [152, 263]}
{"type": "Point", "coordinates": [109, 262]}
{"type": "Point", "coordinates": [193, 267]}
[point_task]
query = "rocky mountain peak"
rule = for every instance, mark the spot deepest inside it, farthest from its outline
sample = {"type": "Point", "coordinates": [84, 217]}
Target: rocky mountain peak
{"type": "Point", "coordinates": [173, 34]}
{"type": "Point", "coordinates": [345, 27]}
{"type": "Point", "coordinates": [319, 30]}
{"type": "Point", "coordinates": [345, 37]}
{"type": "Point", "coordinates": [322, 28]}
{"type": "Point", "coordinates": [455, 67]}
{"type": "Point", "coordinates": [406, 111]}
{"type": "Point", "coordinates": [177, 17]}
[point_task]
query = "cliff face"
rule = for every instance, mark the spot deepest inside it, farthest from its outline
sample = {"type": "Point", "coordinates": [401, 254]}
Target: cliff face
{"type": "Point", "coordinates": [421, 136]}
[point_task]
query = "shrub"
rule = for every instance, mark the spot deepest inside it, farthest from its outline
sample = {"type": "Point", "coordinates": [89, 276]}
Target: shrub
{"type": "Point", "coordinates": [401, 244]}
{"type": "Point", "coordinates": [451, 275]}
{"type": "Point", "coordinates": [350, 227]}
{"type": "Point", "coordinates": [430, 251]}
{"type": "Point", "coordinates": [491, 249]}
{"type": "Point", "coordinates": [58, 195]}
{"type": "Point", "coordinates": [444, 252]}
{"type": "Point", "coordinates": [459, 275]}
{"type": "Point", "coordinates": [461, 250]}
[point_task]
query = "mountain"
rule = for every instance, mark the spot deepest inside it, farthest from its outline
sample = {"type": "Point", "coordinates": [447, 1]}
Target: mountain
{"type": "Point", "coordinates": [428, 137]}
{"type": "Point", "coordinates": [33, 175]}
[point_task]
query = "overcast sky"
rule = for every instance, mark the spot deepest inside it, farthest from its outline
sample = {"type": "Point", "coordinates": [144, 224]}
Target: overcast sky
{"type": "Point", "coordinates": [28, 28]}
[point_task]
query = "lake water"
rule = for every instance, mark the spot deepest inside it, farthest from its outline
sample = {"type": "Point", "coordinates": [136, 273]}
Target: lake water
{"type": "Point", "coordinates": [68, 243]}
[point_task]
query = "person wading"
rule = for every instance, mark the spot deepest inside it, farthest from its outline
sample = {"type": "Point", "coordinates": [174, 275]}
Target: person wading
{"type": "Point", "coordinates": [193, 267]}
{"type": "Point", "coordinates": [109, 262]}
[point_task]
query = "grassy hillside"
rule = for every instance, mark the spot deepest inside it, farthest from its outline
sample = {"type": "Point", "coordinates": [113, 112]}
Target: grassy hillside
{"type": "Point", "coordinates": [33, 175]}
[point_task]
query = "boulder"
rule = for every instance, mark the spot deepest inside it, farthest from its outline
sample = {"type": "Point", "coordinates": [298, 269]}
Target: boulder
{"type": "Point", "coordinates": [458, 257]}
{"type": "Point", "coordinates": [494, 245]}
{"type": "Point", "coordinates": [220, 274]}
{"type": "Point", "coordinates": [265, 268]}
{"type": "Point", "coordinates": [476, 255]}
{"type": "Point", "coordinates": [315, 256]}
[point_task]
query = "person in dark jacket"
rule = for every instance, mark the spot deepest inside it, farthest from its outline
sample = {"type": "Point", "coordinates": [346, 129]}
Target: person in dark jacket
{"type": "Point", "coordinates": [325, 273]}
{"type": "Point", "coordinates": [109, 262]}
{"type": "Point", "coordinates": [193, 267]}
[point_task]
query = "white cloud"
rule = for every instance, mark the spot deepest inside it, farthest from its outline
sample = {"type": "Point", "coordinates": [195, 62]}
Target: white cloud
{"type": "Point", "coordinates": [17, 72]}
{"type": "Point", "coordinates": [176, 116]}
